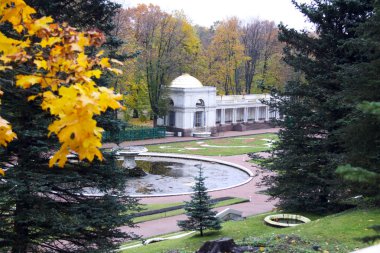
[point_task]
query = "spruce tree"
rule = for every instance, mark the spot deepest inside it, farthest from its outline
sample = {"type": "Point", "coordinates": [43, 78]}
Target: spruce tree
{"type": "Point", "coordinates": [310, 148]}
{"type": "Point", "coordinates": [198, 209]}
{"type": "Point", "coordinates": [361, 131]}
{"type": "Point", "coordinates": [45, 209]}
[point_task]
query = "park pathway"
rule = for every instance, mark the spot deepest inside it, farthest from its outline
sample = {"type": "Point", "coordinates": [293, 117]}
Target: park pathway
{"type": "Point", "coordinates": [259, 203]}
{"type": "Point", "coordinates": [184, 139]}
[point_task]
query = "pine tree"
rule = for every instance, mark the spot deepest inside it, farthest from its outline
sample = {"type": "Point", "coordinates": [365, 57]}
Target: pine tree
{"type": "Point", "coordinates": [91, 14]}
{"type": "Point", "coordinates": [360, 134]}
{"type": "Point", "coordinates": [45, 209]}
{"type": "Point", "coordinates": [309, 148]}
{"type": "Point", "coordinates": [198, 209]}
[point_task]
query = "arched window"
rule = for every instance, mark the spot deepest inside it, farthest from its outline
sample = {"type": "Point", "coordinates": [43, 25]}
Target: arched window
{"type": "Point", "coordinates": [200, 103]}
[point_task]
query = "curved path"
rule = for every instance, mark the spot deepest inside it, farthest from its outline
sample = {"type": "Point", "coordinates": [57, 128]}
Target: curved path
{"type": "Point", "coordinates": [259, 203]}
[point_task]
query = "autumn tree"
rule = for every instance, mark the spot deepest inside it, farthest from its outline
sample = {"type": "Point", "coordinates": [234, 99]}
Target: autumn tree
{"type": "Point", "coordinates": [264, 65]}
{"type": "Point", "coordinates": [94, 14]}
{"type": "Point", "coordinates": [50, 98]}
{"type": "Point", "coordinates": [168, 46]}
{"type": "Point", "coordinates": [226, 54]}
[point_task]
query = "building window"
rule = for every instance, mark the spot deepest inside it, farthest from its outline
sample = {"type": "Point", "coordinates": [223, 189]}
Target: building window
{"type": "Point", "coordinates": [240, 115]}
{"type": "Point", "coordinates": [251, 113]}
{"type": "Point", "coordinates": [171, 118]}
{"type": "Point", "coordinates": [228, 117]}
{"type": "Point", "coordinates": [200, 103]}
{"type": "Point", "coordinates": [218, 116]}
{"type": "Point", "coordinates": [262, 112]}
{"type": "Point", "coordinates": [198, 119]}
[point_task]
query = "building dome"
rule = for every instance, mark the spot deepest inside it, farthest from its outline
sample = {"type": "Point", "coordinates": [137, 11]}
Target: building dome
{"type": "Point", "coordinates": [186, 81]}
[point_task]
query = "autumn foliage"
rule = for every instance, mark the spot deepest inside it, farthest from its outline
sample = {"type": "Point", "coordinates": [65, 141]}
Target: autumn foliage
{"type": "Point", "coordinates": [64, 75]}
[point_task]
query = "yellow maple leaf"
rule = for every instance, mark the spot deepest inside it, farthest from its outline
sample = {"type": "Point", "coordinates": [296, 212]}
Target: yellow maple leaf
{"type": "Point", "coordinates": [73, 100]}
{"type": "Point", "coordinates": [82, 60]}
{"type": "Point", "coordinates": [37, 25]}
{"type": "Point", "coordinates": [25, 81]}
{"type": "Point", "coordinates": [6, 133]}
{"type": "Point", "coordinates": [93, 73]}
{"type": "Point", "coordinates": [2, 172]}
{"type": "Point", "coordinates": [41, 64]}
{"type": "Point", "coordinates": [8, 45]}
{"type": "Point", "coordinates": [101, 52]}
{"type": "Point", "coordinates": [17, 13]}
{"type": "Point", "coordinates": [45, 42]}
{"type": "Point", "coordinates": [2, 68]}
{"type": "Point", "coordinates": [104, 63]}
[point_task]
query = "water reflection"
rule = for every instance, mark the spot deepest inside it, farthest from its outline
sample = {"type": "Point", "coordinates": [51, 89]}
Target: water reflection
{"type": "Point", "coordinates": [174, 175]}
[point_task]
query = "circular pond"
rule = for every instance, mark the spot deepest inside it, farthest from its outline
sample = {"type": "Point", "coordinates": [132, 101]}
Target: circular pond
{"type": "Point", "coordinates": [172, 176]}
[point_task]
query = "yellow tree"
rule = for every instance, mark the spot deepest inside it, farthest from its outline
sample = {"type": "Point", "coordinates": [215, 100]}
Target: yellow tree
{"type": "Point", "coordinates": [226, 53]}
{"type": "Point", "coordinates": [64, 74]}
{"type": "Point", "coordinates": [168, 46]}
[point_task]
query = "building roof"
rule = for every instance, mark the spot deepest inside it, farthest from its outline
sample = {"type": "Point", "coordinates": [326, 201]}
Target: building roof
{"type": "Point", "coordinates": [186, 81]}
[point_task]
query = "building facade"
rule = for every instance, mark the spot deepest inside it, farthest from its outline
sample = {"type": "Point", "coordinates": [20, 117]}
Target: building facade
{"type": "Point", "coordinates": [197, 110]}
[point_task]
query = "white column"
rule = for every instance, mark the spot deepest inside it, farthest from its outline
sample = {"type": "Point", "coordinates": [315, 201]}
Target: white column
{"type": "Point", "coordinates": [266, 113]}
{"type": "Point", "coordinates": [222, 116]}
{"type": "Point", "coordinates": [234, 116]}
{"type": "Point", "coordinates": [256, 114]}
{"type": "Point", "coordinates": [245, 114]}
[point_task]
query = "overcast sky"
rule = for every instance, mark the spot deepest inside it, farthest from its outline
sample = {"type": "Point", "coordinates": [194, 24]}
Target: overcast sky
{"type": "Point", "coordinates": [205, 12]}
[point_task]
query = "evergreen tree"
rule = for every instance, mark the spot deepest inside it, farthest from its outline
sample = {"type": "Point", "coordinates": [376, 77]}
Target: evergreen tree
{"type": "Point", "coordinates": [198, 209]}
{"type": "Point", "coordinates": [91, 14]}
{"type": "Point", "coordinates": [310, 148]}
{"type": "Point", "coordinates": [45, 209]}
{"type": "Point", "coordinates": [360, 134]}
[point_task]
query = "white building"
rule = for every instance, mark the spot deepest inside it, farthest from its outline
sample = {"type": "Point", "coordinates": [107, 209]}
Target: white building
{"type": "Point", "coordinates": [195, 109]}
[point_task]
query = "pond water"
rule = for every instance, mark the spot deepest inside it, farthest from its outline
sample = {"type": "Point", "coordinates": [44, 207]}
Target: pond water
{"type": "Point", "coordinates": [176, 175]}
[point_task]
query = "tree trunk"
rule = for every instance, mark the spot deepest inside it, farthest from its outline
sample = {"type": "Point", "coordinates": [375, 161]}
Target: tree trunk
{"type": "Point", "coordinates": [155, 118]}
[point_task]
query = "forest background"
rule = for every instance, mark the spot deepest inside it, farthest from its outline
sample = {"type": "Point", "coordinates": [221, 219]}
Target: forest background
{"type": "Point", "coordinates": [234, 56]}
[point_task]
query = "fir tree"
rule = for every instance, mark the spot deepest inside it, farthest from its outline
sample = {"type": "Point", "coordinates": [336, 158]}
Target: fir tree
{"type": "Point", "coordinates": [45, 209]}
{"type": "Point", "coordinates": [310, 148]}
{"type": "Point", "coordinates": [198, 209]}
{"type": "Point", "coordinates": [360, 134]}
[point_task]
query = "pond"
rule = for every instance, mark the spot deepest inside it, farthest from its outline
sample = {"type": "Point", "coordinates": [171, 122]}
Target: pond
{"type": "Point", "coordinates": [165, 175]}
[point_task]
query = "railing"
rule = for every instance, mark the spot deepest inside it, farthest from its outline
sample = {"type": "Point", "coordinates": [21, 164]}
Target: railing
{"type": "Point", "coordinates": [133, 134]}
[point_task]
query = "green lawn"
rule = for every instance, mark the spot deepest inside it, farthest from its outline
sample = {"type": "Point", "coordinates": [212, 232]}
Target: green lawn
{"type": "Point", "coordinates": [151, 207]}
{"type": "Point", "coordinates": [218, 147]}
{"type": "Point", "coordinates": [334, 233]}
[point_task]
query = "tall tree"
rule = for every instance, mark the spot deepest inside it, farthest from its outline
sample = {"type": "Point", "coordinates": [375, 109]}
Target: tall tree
{"type": "Point", "coordinates": [45, 209]}
{"type": "Point", "coordinates": [168, 46]}
{"type": "Point", "coordinates": [259, 39]}
{"type": "Point", "coordinates": [198, 209]}
{"type": "Point", "coordinates": [87, 14]}
{"type": "Point", "coordinates": [309, 148]}
{"type": "Point", "coordinates": [360, 133]}
{"type": "Point", "coordinates": [226, 54]}
{"type": "Point", "coordinates": [91, 14]}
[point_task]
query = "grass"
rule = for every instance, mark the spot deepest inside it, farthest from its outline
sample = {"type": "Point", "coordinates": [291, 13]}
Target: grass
{"type": "Point", "coordinates": [218, 147]}
{"type": "Point", "coordinates": [179, 211]}
{"type": "Point", "coordinates": [334, 233]}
